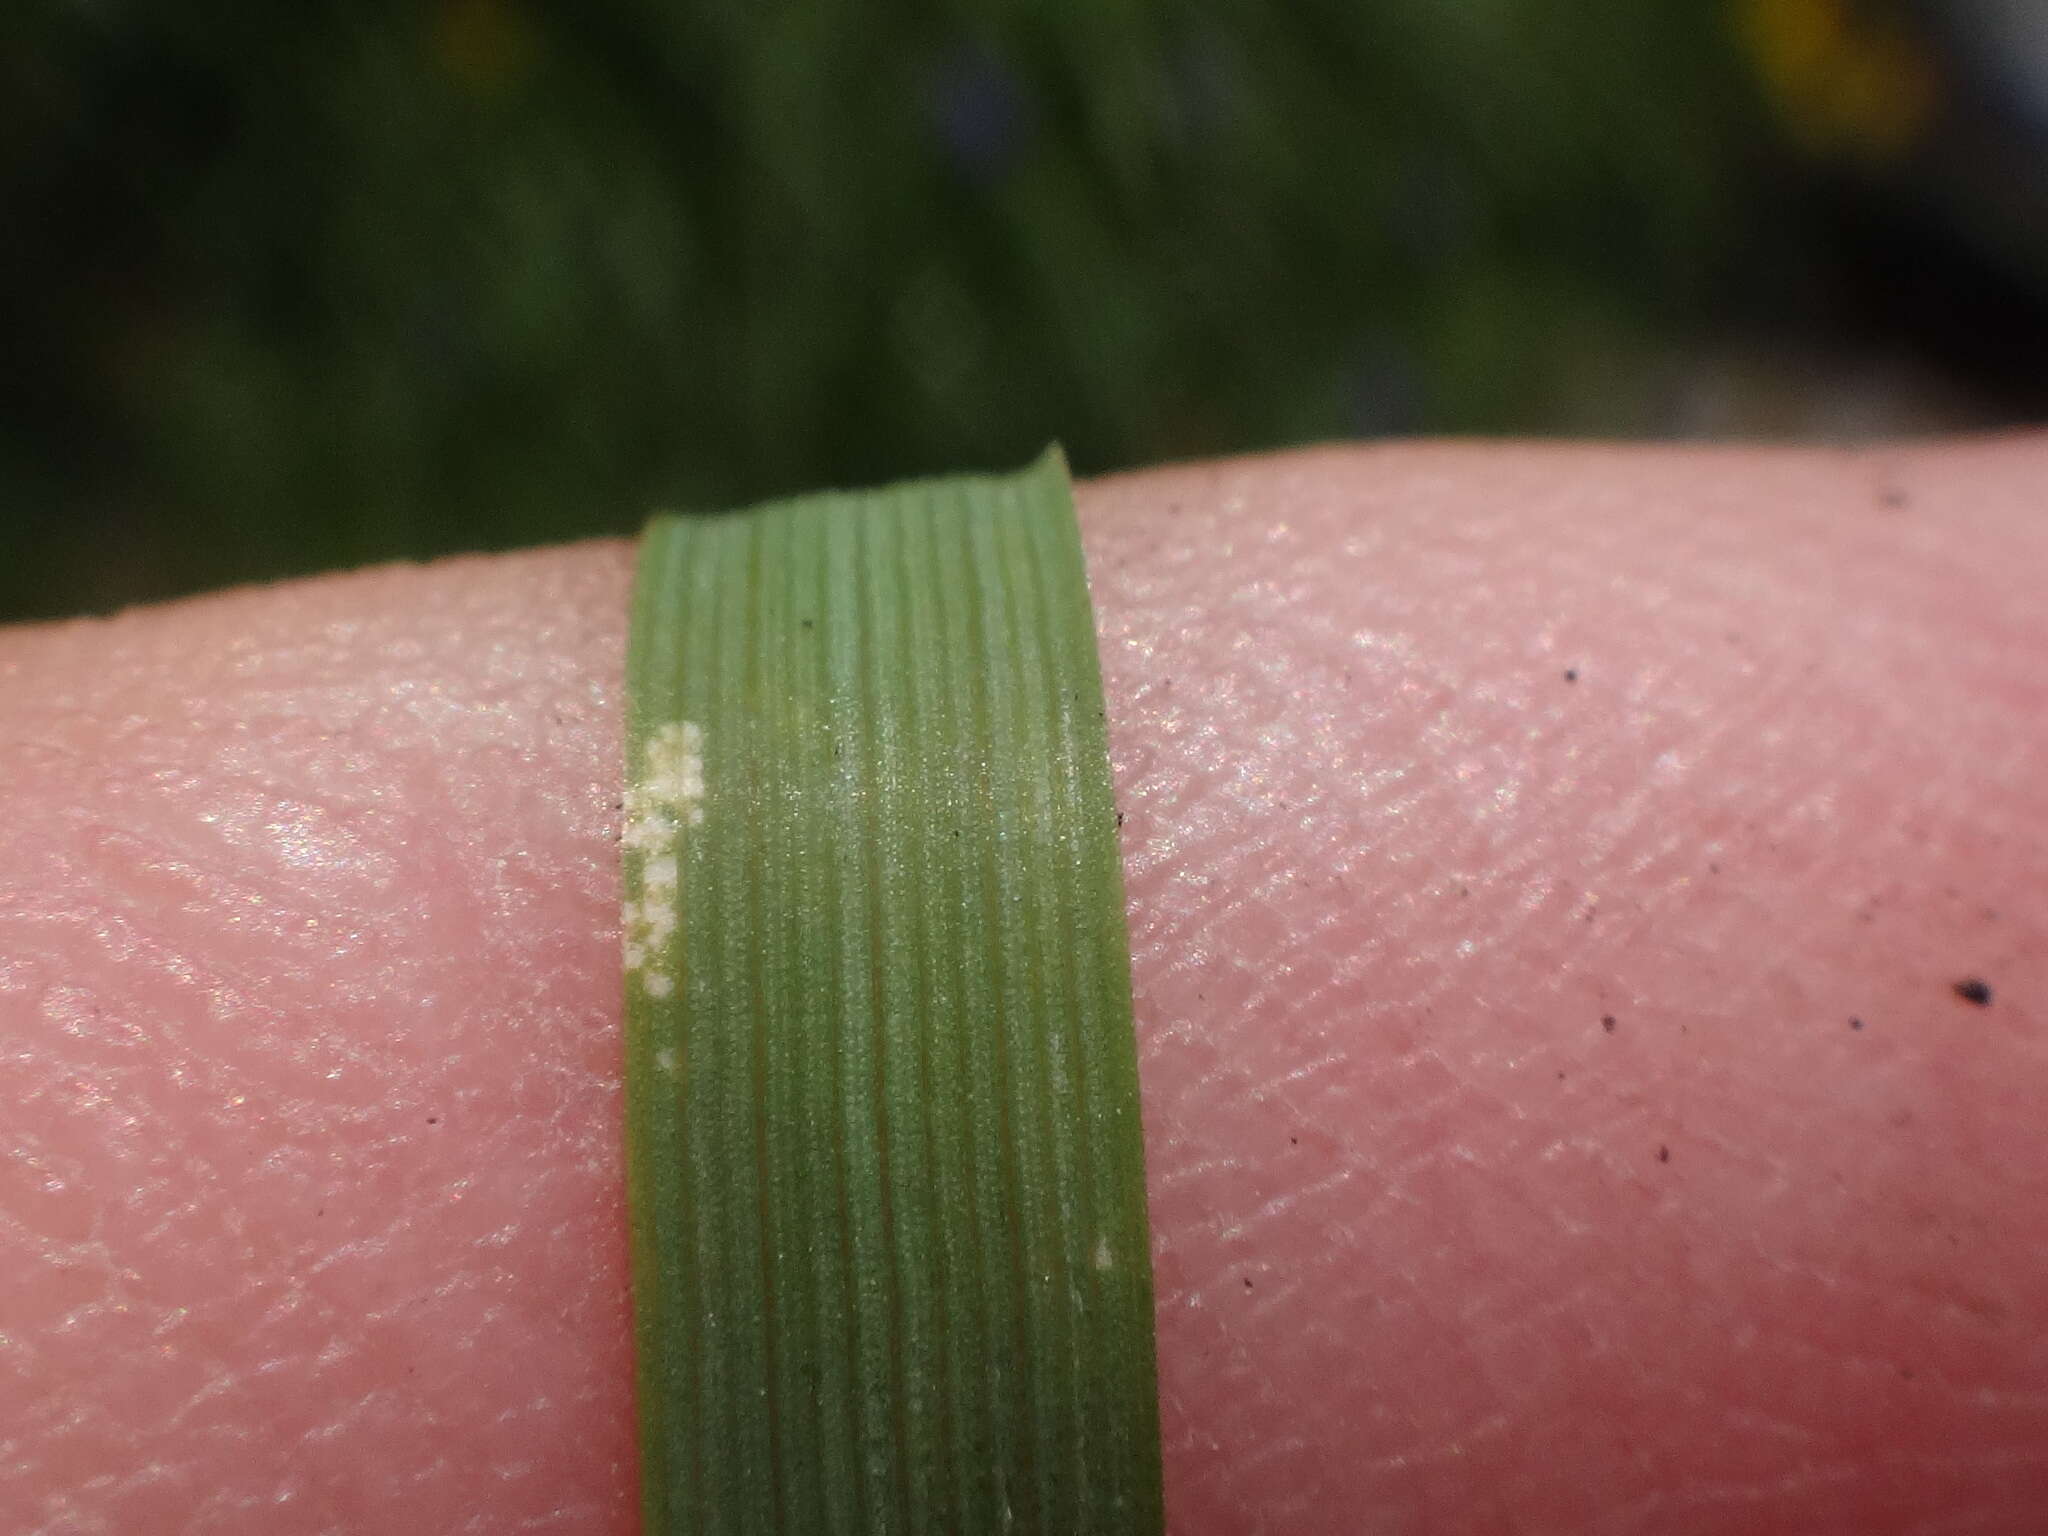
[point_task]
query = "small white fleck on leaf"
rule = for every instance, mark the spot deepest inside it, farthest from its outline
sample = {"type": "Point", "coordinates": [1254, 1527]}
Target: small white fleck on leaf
{"type": "Point", "coordinates": [666, 798]}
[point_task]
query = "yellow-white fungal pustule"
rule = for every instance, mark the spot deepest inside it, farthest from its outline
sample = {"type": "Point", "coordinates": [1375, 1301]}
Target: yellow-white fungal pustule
{"type": "Point", "coordinates": [667, 797]}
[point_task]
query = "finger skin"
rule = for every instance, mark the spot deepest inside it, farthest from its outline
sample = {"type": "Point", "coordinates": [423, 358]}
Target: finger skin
{"type": "Point", "coordinates": [1436, 762]}
{"type": "Point", "coordinates": [309, 986]}
{"type": "Point", "coordinates": [1434, 758]}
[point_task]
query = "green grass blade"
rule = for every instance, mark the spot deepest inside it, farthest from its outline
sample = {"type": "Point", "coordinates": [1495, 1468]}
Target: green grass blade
{"type": "Point", "coordinates": [890, 1260]}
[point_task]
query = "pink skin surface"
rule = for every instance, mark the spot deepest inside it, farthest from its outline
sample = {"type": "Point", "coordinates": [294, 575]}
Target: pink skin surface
{"type": "Point", "coordinates": [1513, 835]}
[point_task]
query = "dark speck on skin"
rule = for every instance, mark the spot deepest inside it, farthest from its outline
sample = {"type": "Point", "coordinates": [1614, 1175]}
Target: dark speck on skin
{"type": "Point", "coordinates": [1607, 1022]}
{"type": "Point", "coordinates": [1974, 989]}
{"type": "Point", "coordinates": [1663, 1154]}
{"type": "Point", "coordinates": [1119, 818]}
{"type": "Point", "coordinates": [433, 1119]}
{"type": "Point", "coordinates": [1892, 497]}
{"type": "Point", "coordinates": [1571, 674]}
{"type": "Point", "coordinates": [1855, 1023]}
{"type": "Point", "coordinates": [1247, 1282]}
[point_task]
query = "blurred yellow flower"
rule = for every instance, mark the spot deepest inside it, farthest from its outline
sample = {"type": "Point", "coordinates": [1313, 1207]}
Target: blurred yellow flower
{"type": "Point", "coordinates": [1847, 78]}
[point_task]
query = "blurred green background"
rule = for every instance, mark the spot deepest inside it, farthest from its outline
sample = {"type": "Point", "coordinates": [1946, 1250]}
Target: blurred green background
{"type": "Point", "coordinates": [292, 287]}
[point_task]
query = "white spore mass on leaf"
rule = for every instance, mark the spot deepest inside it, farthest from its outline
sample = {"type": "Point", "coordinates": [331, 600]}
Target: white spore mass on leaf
{"type": "Point", "coordinates": [668, 796]}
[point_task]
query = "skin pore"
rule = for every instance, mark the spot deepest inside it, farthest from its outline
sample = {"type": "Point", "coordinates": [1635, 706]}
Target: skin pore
{"type": "Point", "coordinates": [1551, 870]}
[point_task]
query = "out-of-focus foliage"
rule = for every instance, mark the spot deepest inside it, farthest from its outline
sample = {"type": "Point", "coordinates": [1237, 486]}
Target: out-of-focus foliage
{"type": "Point", "coordinates": [296, 286]}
